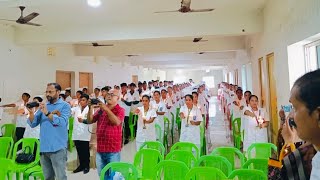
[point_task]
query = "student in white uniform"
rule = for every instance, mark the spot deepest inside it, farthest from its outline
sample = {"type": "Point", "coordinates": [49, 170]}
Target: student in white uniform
{"type": "Point", "coordinates": [33, 132]}
{"type": "Point", "coordinates": [126, 106]}
{"type": "Point", "coordinates": [190, 120]}
{"type": "Point", "coordinates": [160, 108]}
{"type": "Point", "coordinates": [146, 130]}
{"type": "Point", "coordinates": [68, 95]}
{"type": "Point", "coordinates": [21, 122]}
{"type": "Point", "coordinates": [238, 104]}
{"type": "Point", "coordinates": [256, 124]}
{"type": "Point", "coordinates": [81, 134]}
{"type": "Point", "coordinates": [196, 103]}
{"type": "Point", "coordinates": [97, 95]}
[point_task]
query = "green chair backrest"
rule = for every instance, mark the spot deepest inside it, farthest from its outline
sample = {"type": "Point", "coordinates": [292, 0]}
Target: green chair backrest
{"type": "Point", "coordinates": [236, 125]}
{"type": "Point", "coordinates": [202, 139]}
{"type": "Point", "coordinates": [34, 145]}
{"type": "Point", "coordinates": [8, 130]}
{"type": "Point", "coordinates": [166, 124]}
{"type": "Point", "coordinates": [230, 153]}
{"type": "Point", "coordinates": [128, 171]}
{"type": "Point", "coordinates": [6, 168]}
{"type": "Point", "coordinates": [70, 141]}
{"type": "Point", "coordinates": [258, 164]}
{"type": "Point", "coordinates": [205, 173]}
{"type": "Point", "coordinates": [154, 145]}
{"type": "Point", "coordinates": [159, 133]}
{"type": "Point", "coordinates": [183, 156]}
{"type": "Point", "coordinates": [248, 174]}
{"type": "Point", "coordinates": [261, 150]}
{"type": "Point", "coordinates": [170, 169]}
{"type": "Point", "coordinates": [132, 119]}
{"type": "Point", "coordinates": [187, 146]}
{"type": "Point", "coordinates": [218, 162]}
{"type": "Point", "coordinates": [145, 161]}
{"type": "Point", "coordinates": [6, 146]}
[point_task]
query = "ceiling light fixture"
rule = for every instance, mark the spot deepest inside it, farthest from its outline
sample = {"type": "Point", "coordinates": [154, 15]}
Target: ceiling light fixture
{"type": "Point", "coordinates": [94, 3]}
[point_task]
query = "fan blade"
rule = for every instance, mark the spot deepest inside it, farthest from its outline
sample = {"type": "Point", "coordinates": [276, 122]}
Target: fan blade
{"type": "Point", "coordinates": [30, 17]}
{"type": "Point", "coordinates": [166, 11]}
{"type": "Point", "coordinates": [106, 45]}
{"type": "Point", "coordinates": [33, 24]}
{"type": "Point", "coordinates": [201, 10]}
{"type": "Point", "coordinates": [7, 20]}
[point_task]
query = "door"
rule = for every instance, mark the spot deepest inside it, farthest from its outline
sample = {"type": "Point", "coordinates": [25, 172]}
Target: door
{"type": "Point", "coordinates": [135, 79]}
{"type": "Point", "coordinates": [262, 83]}
{"type": "Point", "coordinates": [64, 79]}
{"type": "Point", "coordinates": [273, 98]}
{"type": "Point", "coordinates": [86, 80]}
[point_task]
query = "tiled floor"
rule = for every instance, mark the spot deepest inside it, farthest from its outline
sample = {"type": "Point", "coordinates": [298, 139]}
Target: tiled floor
{"type": "Point", "coordinates": [218, 130]}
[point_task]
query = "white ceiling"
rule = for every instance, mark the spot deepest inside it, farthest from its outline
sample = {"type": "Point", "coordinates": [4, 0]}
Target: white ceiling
{"type": "Point", "coordinates": [134, 28]}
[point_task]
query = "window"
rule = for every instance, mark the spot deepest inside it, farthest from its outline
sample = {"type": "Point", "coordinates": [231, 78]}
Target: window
{"type": "Point", "coordinates": [209, 81]}
{"type": "Point", "coordinates": [312, 56]}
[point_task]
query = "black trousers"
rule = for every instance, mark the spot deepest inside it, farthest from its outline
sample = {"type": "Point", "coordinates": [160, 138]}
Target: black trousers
{"type": "Point", "coordinates": [83, 153]}
{"type": "Point", "coordinates": [19, 134]}
{"type": "Point", "coordinates": [126, 128]}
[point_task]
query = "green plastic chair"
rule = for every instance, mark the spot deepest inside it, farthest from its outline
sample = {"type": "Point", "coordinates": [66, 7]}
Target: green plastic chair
{"type": "Point", "coordinates": [172, 128]}
{"type": "Point", "coordinates": [178, 120]}
{"type": "Point", "coordinates": [8, 130]}
{"type": "Point", "coordinates": [154, 145]}
{"type": "Point", "coordinates": [33, 143]}
{"type": "Point", "coordinates": [166, 132]}
{"type": "Point", "coordinates": [258, 164]}
{"type": "Point", "coordinates": [205, 173]}
{"type": "Point", "coordinates": [71, 143]}
{"type": "Point", "coordinates": [132, 123]}
{"type": "Point", "coordinates": [183, 156]}
{"type": "Point", "coordinates": [248, 174]}
{"type": "Point", "coordinates": [6, 168]}
{"type": "Point", "coordinates": [145, 161]}
{"type": "Point", "coordinates": [203, 141]}
{"type": "Point", "coordinates": [170, 169]}
{"type": "Point", "coordinates": [230, 153]}
{"type": "Point", "coordinates": [218, 162]}
{"type": "Point", "coordinates": [35, 172]}
{"type": "Point", "coordinates": [128, 171]}
{"type": "Point", "coordinates": [236, 132]}
{"type": "Point", "coordinates": [159, 133]}
{"type": "Point", "coordinates": [187, 146]}
{"type": "Point", "coordinates": [262, 150]}
{"type": "Point", "coordinates": [6, 146]}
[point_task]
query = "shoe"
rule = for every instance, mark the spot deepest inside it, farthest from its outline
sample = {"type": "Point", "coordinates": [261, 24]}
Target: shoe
{"type": "Point", "coordinates": [86, 170]}
{"type": "Point", "coordinates": [79, 169]}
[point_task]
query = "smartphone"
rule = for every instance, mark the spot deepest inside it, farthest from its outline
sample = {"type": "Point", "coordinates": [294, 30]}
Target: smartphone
{"type": "Point", "coordinates": [286, 108]}
{"type": "Point", "coordinates": [292, 124]}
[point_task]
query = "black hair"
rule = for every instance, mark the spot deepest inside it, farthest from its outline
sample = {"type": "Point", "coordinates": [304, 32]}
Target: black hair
{"type": "Point", "coordinates": [188, 95]}
{"type": "Point", "coordinates": [195, 93]}
{"type": "Point", "coordinates": [106, 88]}
{"type": "Point", "coordinates": [85, 96]}
{"type": "Point", "coordinates": [56, 86]}
{"type": "Point", "coordinates": [146, 96]}
{"type": "Point", "coordinates": [69, 91]}
{"type": "Point", "coordinates": [85, 89]}
{"type": "Point", "coordinates": [247, 92]}
{"type": "Point", "coordinates": [26, 94]}
{"type": "Point", "coordinates": [80, 92]}
{"type": "Point", "coordinates": [97, 89]}
{"type": "Point", "coordinates": [123, 84]}
{"type": "Point", "coordinates": [156, 91]}
{"type": "Point", "coordinates": [308, 88]}
{"type": "Point", "coordinates": [38, 98]}
{"type": "Point", "coordinates": [239, 89]}
{"type": "Point", "coordinates": [0, 99]}
{"type": "Point", "coordinates": [252, 96]}
{"type": "Point", "coordinates": [63, 96]}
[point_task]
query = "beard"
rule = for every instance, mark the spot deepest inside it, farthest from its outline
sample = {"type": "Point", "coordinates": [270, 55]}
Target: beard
{"type": "Point", "coordinates": [50, 99]}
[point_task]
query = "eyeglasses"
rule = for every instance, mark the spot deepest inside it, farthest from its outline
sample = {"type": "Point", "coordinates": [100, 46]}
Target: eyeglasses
{"type": "Point", "coordinates": [111, 94]}
{"type": "Point", "coordinates": [49, 92]}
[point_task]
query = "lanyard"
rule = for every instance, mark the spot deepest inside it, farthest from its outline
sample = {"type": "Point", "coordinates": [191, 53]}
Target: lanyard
{"type": "Point", "coordinates": [189, 111]}
{"type": "Point", "coordinates": [256, 116]}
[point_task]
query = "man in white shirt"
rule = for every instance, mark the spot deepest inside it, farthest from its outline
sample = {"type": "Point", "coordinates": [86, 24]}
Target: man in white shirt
{"type": "Point", "coordinates": [68, 95]}
{"type": "Point", "coordinates": [126, 106]}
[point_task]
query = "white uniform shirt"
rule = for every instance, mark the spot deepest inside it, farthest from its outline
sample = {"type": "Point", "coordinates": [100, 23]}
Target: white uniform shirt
{"type": "Point", "coordinates": [21, 118]}
{"type": "Point", "coordinates": [81, 131]}
{"type": "Point", "coordinates": [315, 172]}
{"type": "Point", "coordinates": [32, 132]}
{"type": "Point", "coordinates": [149, 133]}
{"type": "Point", "coordinates": [68, 99]}
{"type": "Point", "coordinates": [192, 132]}
{"type": "Point", "coordinates": [124, 106]}
{"type": "Point", "coordinates": [236, 108]}
{"type": "Point", "coordinates": [160, 107]}
{"type": "Point", "coordinates": [202, 101]}
{"type": "Point", "coordinates": [132, 97]}
{"type": "Point", "coordinates": [253, 133]}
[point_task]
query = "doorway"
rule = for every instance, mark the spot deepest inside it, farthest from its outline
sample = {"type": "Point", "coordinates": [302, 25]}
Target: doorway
{"type": "Point", "coordinates": [63, 78]}
{"type": "Point", "coordinates": [86, 80]}
{"type": "Point", "coordinates": [135, 79]}
{"type": "Point", "coordinates": [272, 98]}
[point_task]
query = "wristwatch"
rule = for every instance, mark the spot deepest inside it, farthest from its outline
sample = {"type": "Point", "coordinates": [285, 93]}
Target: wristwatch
{"type": "Point", "coordinates": [48, 113]}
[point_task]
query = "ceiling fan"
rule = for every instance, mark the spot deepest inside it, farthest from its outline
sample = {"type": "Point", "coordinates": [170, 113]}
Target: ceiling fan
{"type": "Point", "coordinates": [131, 55]}
{"type": "Point", "coordinates": [25, 20]}
{"type": "Point", "coordinates": [195, 40]}
{"type": "Point", "coordinates": [95, 44]}
{"type": "Point", "coordinates": [185, 8]}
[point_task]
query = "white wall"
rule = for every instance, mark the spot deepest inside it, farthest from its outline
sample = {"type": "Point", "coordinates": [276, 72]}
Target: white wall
{"type": "Point", "coordinates": [153, 74]}
{"type": "Point", "coordinates": [285, 23]}
{"type": "Point", "coordinates": [29, 68]}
